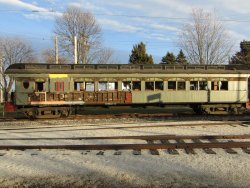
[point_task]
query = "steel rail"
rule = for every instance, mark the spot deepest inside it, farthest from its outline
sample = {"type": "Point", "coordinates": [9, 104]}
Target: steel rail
{"type": "Point", "coordinates": [142, 137]}
{"type": "Point", "coordinates": [105, 128]}
{"type": "Point", "coordinates": [131, 146]}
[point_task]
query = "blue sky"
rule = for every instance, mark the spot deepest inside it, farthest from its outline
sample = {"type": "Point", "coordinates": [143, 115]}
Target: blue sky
{"type": "Point", "coordinates": [124, 23]}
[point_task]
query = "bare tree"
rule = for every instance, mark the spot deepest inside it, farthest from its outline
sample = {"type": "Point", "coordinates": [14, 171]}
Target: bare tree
{"type": "Point", "coordinates": [204, 39]}
{"type": "Point", "coordinates": [104, 56]}
{"type": "Point", "coordinates": [76, 22]}
{"type": "Point", "coordinates": [48, 56]}
{"type": "Point", "coordinates": [13, 50]}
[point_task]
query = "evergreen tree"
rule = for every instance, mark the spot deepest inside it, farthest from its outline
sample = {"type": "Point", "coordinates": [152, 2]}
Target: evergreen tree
{"type": "Point", "coordinates": [139, 55]}
{"type": "Point", "coordinates": [181, 58]}
{"type": "Point", "coordinates": [169, 58]}
{"type": "Point", "coordinates": [242, 57]}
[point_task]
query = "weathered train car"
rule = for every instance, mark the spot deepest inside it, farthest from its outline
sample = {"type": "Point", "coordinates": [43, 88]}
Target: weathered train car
{"type": "Point", "coordinates": [43, 90]}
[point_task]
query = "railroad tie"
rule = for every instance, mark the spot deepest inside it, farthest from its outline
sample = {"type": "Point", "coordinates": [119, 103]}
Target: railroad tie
{"type": "Point", "coordinates": [228, 150]}
{"type": "Point", "coordinates": [246, 150]}
{"type": "Point", "coordinates": [170, 151]}
{"type": "Point", "coordinates": [100, 153]}
{"type": "Point", "coordinates": [187, 150]}
{"type": "Point", "coordinates": [244, 125]}
{"type": "Point", "coordinates": [136, 152]}
{"type": "Point", "coordinates": [85, 152]}
{"type": "Point", "coordinates": [117, 152]}
{"type": "Point", "coordinates": [152, 151]}
{"type": "Point", "coordinates": [206, 150]}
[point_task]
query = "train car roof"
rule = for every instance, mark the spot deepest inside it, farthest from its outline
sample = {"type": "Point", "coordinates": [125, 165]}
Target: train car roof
{"type": "Point", "coordinates": [41, 68]}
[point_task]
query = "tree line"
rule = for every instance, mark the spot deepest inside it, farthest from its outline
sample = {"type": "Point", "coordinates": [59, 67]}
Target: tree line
{"type": "Point", "coordinates": [140, 56]}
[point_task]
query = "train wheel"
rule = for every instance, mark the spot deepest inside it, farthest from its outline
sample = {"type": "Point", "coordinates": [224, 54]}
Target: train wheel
{"type": "Point", "coordinates": [29, 113]}
{"type": "Point", "coordinates": [65, 112]}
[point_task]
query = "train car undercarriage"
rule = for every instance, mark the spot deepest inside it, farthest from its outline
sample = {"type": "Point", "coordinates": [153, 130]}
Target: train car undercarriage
{"type": "Point", "coordinates": [218, 108]}
{"type": "Point", "coordinates": [64, 111]}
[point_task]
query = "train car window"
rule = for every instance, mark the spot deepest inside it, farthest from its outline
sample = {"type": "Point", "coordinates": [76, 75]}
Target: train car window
{"type": "Point", "coordinates": [224, 85]}
{"type": "Point", "coordinates": [193, 85]}
{"type": "Point", "coordinates": [79, 86]}
{"type": "Point", "coordinates": [202, 85]}
{"type": "Point", "coordinates": [159, 85]}
{"type": "Point", "coordinates": [172, 85]}
{"type": "Point", "coordinates": [112, 86]}
{"type": "Point", "coordinates": [149, 85]}
{"type": "Point", "coordinates": [215, 85]}
{"type": "Point", "coordinates": [89, 86]}
{"type": "Point", "coordinates": [59, 86]}
{"type": "Point", "coordinates": [103, 86]}
{"type": "Point", "coordinates": [136, 85]}
{"type": "Point", "coordinates": [126, 85]}
{"type": "Point", "coordinates": [40, 86]}
{"type": "Point", "coordinates": [26, 84]}
{"type": "Point", "coordinates": [181, 85]}
{"type": "Point", "coordinates": [219, 85]}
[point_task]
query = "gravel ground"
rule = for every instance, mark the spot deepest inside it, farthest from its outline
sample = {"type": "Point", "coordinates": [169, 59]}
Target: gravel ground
{"type": "Point", "coordinates": [64, 168]}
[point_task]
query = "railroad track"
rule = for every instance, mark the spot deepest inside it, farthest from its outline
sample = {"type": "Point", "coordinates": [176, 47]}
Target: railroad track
{"type": "Point", "coordinates": [114, 126]}
{"type": "Point", "coordinates": [132, 116]}
{"type": "Point", "coordinates": [153, 143]}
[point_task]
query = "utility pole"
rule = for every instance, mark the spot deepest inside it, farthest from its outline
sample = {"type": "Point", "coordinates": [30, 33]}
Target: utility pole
{"type": "Point", "coordinates": [75, 49]}
{"type": "Point", "coordinates": [85, 48]}
{"type": "Point", "coordinates": [56, 49]}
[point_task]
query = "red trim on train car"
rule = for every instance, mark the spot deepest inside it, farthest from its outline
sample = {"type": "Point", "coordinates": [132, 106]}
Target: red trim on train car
{"type": "Point", "coordinates": [59, 86]}
{"type": "Point", "coordinates": [248, 104]}
{"type": "Point", "coordinates": [128, 97]}
{"type": "Point", "coordinates": [9, 107]}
